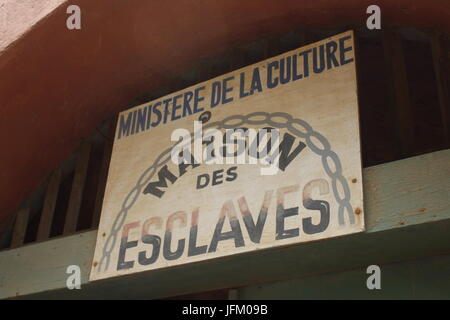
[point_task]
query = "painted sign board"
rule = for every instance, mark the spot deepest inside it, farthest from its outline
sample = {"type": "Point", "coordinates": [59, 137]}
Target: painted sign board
{"type": "Point", "coordinates": [159, 213]}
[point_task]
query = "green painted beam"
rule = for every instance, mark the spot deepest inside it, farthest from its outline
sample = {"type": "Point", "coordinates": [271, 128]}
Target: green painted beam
{"type": "Point", "coordinates": [407, 210]}
{"type": "Point", "coordinates": [42, 266]}
{"type": "Point", "coordinates": [425, 278]}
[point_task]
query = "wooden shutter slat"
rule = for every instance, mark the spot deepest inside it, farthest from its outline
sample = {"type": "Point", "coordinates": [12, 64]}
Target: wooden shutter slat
{"type": "Point", "coordinates": [441, 69]}
{"type": "Point", "coordinates": [48, 210]}
{"type": "Point", "coordinates": [404, 122]}
{"type": "Point", "coordinates": [76, 193]}
{"type": "Point", "coordinates": [20, 228]}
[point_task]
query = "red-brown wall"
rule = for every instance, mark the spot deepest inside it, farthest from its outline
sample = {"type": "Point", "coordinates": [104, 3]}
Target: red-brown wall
{"type": "Point", "coordinates": [56, 85]}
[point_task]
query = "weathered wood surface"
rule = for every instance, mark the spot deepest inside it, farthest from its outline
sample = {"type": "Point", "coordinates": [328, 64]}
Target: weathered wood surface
{"type": "Point", "coordinates": [20, 228]}
{"type": "Point", "coordinates": [407, 192]}
{"type": "Point", "coordinates": [76, 193]}
{"type": "Point", "coordinates": [41, 266]}
{"type": "Point", "coordinates": [48, 210]}
{"type": "Point", "coordinates": [398, 228]}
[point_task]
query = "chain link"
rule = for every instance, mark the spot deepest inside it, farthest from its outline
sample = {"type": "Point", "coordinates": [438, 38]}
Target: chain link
{"type": "Point", "coordinates": [297, 127]}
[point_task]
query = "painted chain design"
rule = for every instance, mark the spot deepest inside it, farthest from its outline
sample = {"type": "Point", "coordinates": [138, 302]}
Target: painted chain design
{"type": "Point", "coordinates": [279, 120]}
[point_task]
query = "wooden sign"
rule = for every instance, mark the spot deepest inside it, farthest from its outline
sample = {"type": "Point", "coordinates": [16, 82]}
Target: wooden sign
{"type": "Point", "coordinates": [159, 213]}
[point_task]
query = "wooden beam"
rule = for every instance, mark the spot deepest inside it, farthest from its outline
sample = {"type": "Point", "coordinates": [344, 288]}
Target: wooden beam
{"type": "Point", "coordinates": [46, 263]}
{"type": "Point", "coordinates": [76, 193]}
{"type": "Point", "coordinates": [401, 102]}
{"type": "Point", "coordinates": [407, 216]}
{"type": "Point", "coordinates": [48, 210]}
{"type": "Point", "coordinates": [20, 228]}
{"type": "Point", "coordinates": [441, 64]}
